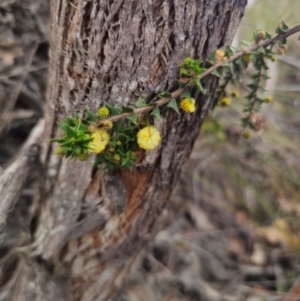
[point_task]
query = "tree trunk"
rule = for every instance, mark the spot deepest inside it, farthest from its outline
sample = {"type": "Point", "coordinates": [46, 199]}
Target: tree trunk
{"type": "Point", "coordinates": [91, 226]}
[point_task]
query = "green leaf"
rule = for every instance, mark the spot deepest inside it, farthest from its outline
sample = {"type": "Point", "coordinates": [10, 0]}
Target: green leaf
{"type": "Point", "coordinates": [265, 67]}
{"type": "Point", "coordinates": [246, 43]}
{"type": "Point", "coordinates": [198, 85]}
{"type": "Point", "coordinates": [126, 109]}
{"type": "Point", "coordinates": [231, 68]}
{"type": "Point", "coordinates": [261, 50]}
{"type": "Point", "coordinates": [76, 115]}
{"type": "Point", "coordinates": [124, 161]}
{"type": "Point", "coordinates": [268, 35]}
{"type": "Point", "coordinates": [263, 89]}
{"type": "Point", "coordinates": [244, 121]}
{"type": "Point", "coordinates": [260, 100]}
{"type": "Point", "coordinates": [217, 73]}
{"type": "Point", "coordinates": [121, 151]}
{"type": "Point", "coordinates": [140, 102]}
{"type": "Point", "coordinates": [99, 159]}
{"type": "Point", "coordinates": [59, 140]}
{"type": "Point", "coordinates": [279, 30]}
{"type": "Point", "coordinates": [240, 63]}
{"type": "Point", "coordinates": [133, 118]}
{"type": "Point", "coordinates": [229, 52]}
{"type": "Point", "coordinates": [246, 110]}
{"type": "Point", "coordinates": [156, 112]}
{"type": "Point", "coordinates": [69, 131]}
{"type": "Point", "coordinates": [250, 96]}
{"type": "Point", "coordinates": [81, 127]}
{"type": "Point", "coordinates": [199, 70]}
{"type": "Point", "coordinates": [118, 125]}
{"type": "Point", "coordinates": [90, 115]}
{"type": "Point", "coordinates": [284, 26]}
{"type": "Point", "coordinates": [252, 86]}
{"type": "Point", "coordinates": [152, 104]}
{"type": "Point", "coordinates": [112, 110]}
{"type": "Point", "coordinates": [173, 104]}
{"type": "Point", "coordinates": [164, 94]}
{"type": "Point", "coordinates": [186, 94]}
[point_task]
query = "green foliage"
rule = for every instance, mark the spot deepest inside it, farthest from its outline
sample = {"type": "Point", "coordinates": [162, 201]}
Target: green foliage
{"type": "Point", "coordinates": [173, 104]}
{"type": "Point", "coordinates": [120, 152]}
{"type": "Point", "coordinates": [230, 75]}
{"type": "Point", "coordinates": [75, 138]}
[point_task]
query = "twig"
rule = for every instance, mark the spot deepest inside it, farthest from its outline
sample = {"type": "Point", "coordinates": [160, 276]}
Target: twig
{"type": "Point", "coordinates": [13, 177]}
{"type": "Point", "coordinates": [234, 57]}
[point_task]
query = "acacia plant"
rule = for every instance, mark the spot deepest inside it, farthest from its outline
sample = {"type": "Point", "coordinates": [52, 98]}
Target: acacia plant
{"type": "Point", "coordinates": [119, 74]}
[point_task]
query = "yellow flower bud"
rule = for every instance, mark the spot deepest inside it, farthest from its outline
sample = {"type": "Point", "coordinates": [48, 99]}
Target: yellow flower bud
{"type": "Point", "coordinates": [117, 158]}
{"type": "Point", "coordinates": [224, 102]}
{"type": "Point", "coordinates": [219, 56]}
{"type": "Point", "coordinates": [261, 35]}
{"type": "Point", "coordinates": [103, 112]}
{"type": "Point", "coordinates": [246, 135]}
{"type": "Point", "coordinates": [247, 58]}
{"type": "Point", "coordinates": [188, 105]}
{"type": "Point", "coordinates": [284, 47]}
{"type": "Point", "coordinates": [280, 51]}
{"type": "Point", "coordinates": [234, 94]}
{"type": "Point", "coordinates": [83, 157]}
{"type": "Point", "coordinates": [268, 99]}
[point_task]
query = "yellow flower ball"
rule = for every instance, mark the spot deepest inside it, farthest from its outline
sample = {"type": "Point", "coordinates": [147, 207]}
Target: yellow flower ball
{"type": "Point", "coordinates": [268, 99]}
{"type": "Point", "coordinates": [284, 47]}
{"type": "Point", "coordinates": [274, 58]}
{"type": "Point", "coordinates": [188, 105]}
{"type": "Point", "coordinates": [148, 137]}
{"type": "Point", "coordinates": [280, 51]}
{"type": "Point", "coordinates": [103, 112]}
{"type": "Point", "coordinates": [246, 135]}
{"type": "Point", "coordinates": [261, 35]}
{"type": "Point", "coordinates": [247, 58]}
{"type": "Point", "coordinates": [225, 102]}
{"type": "Point", "coordinates": [117, 158]}
{"type": "Point", "coordinates": [219, 56]}
{"type": "Point", "coordinates": [234, 94]}
{"type": "Point", "coordinates": [101, 139]}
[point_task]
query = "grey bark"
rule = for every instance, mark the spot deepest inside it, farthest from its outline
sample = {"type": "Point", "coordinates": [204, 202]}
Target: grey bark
{"type": "Point", "coordinates": [92, 226]}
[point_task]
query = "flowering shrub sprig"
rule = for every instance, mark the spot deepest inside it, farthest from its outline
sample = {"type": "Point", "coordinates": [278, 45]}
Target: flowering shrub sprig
{"type": "Point", "coordinates": [115, 134]}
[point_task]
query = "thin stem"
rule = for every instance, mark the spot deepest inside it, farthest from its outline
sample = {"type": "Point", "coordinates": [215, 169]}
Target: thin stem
{"type": "Point", "coordinates": [234, 57]}
{"type": "Point", "coordinates": [256, 88]}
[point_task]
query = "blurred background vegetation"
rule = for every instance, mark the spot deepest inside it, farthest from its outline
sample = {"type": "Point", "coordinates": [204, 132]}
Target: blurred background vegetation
{"type": "Point", "coordinates": [260, 175]}
{"type": "Point", "coordinates": [257, 181]}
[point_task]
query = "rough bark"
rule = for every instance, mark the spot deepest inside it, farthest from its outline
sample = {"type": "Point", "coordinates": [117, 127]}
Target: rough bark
{"type": "Point", "coordinates": [91, 226]}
